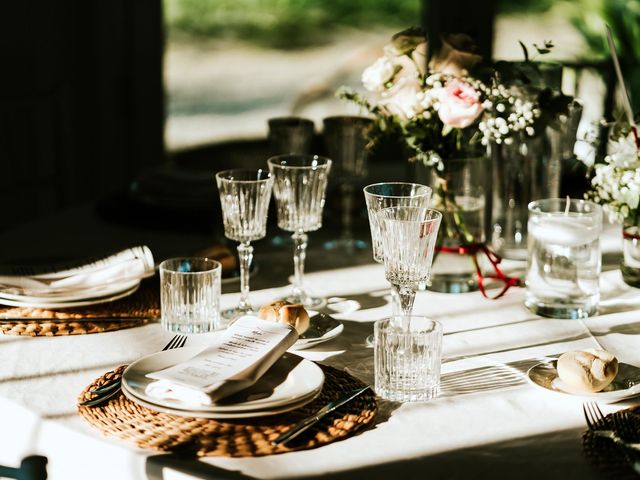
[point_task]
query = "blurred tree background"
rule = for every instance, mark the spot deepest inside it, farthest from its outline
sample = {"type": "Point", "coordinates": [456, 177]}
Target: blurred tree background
{"type": "Point", "coordinates": [300, 46]}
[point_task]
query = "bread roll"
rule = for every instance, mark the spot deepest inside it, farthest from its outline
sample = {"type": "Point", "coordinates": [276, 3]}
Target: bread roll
{"type": "Point", "coordinates": [587, 371]}
{"type": "Point", "coordinates": [287, 313]}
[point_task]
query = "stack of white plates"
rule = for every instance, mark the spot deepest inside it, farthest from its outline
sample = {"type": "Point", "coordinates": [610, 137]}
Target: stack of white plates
{"type": "Point", "coordinates": [289, 384]}
{"type": "Point", "coordinates": [67, 299]}
{"type": "Point", "coordinates": [75, 284]}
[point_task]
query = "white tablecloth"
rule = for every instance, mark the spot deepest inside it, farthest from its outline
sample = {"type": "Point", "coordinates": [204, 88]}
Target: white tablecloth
{"type": "Point", "coordinates": [488, 420]}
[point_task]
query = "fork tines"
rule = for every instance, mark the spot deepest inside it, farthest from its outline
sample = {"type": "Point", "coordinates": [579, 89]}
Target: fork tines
{"type": "Point", "coordinates": [177, 341]}
{"type": "Point", "coordinates": [593, 415]}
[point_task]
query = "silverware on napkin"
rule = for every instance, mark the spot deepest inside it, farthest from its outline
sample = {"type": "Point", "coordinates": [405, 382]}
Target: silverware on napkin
{"type": "Point", "coordinates": [111, 389]}
{"type": "Point", "coordinates": [308, 422]}
{"type": "Point", "coordinates": [598, 425]}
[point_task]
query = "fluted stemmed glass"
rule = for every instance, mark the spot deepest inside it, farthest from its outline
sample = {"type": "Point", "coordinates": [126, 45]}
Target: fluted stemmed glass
{"type": "Point", "coordinates": [300, 183]}
{"type": "Point", "coordinates": [244, 196]}
{"type": "Point", "coordinates": [392, 194]}
{"type": "Point", "coordinates": [408, 239]}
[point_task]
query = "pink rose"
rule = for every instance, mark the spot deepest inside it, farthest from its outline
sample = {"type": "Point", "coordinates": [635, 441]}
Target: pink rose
{"type": "Point", "coordinates": [459, 104]}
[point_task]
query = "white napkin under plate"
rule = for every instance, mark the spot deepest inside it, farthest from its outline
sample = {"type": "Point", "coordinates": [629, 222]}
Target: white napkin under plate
{"type": "Point", "coordinates": [128, 265]}
{"type": "Point", "coordinates": [247, 349]}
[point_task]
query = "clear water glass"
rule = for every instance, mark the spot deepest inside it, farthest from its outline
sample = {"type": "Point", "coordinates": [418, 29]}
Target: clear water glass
{"type": "Point", "coordinates": [564, 258]}
{"type": "Point", "coordinates": [407, 358]}
{"type": "Point", "coordinates": [409, 239]}
{"type": "Point", "coordinates": [244, 197]}
{"type": "Point", "coordinates": [190, 294]}
{"type": "Point", "coordinates": [345, 141]}
{"type": "Point", "coordinates": [391, 194]}
{"type": "Point", "coordinates": [300, 184]}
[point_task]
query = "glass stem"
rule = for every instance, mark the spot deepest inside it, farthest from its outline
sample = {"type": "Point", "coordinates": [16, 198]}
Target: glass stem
{"type": "Point", "coordinates": [299, 254]}
{"type": "Point", "coordinates": [245, 255]}
{"type": "Point", "coordinates": [346, 192]}
{"type": "Point", "coordinates": [402, 299]}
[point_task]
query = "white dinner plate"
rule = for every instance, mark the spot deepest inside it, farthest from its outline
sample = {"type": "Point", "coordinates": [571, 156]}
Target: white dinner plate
{"type": "Point", "coordinates": [290, 380]}
{"type": "Point", "coordinates": [44, 303]}
{"type": "Point", "coordinates": [218, 415]}
{"type": "Point", "coordinates": [80, 294]}
{"type": "Point", "coordinates": [322, 328]}
{"type": "Point", "coordinates": [625, 385]}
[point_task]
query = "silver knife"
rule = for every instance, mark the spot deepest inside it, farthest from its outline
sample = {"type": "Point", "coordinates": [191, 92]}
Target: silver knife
{"type": "Point", "coordinates": [303, 425]}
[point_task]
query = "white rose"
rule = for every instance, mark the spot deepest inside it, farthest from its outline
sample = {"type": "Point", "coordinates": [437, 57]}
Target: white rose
{"type": "Point", "coordinates": [405, 97]}
{"type": "Point", "coordinates": [377, 75]}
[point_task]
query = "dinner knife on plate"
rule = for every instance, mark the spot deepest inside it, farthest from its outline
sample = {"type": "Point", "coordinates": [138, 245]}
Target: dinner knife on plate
{"type": "Point", "coordinates": [308, 422]}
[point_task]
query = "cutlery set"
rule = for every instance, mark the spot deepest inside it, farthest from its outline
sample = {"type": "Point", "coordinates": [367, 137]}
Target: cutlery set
{"type": "Point", "coordinates": [613, 428]}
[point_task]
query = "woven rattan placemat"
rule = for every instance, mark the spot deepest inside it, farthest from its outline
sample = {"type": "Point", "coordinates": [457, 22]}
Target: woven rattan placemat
{"type": "Point", "coordinates": [122, 418]}
{"type": "Point", "coordinates": [611, 459]}
{"type": "Point", "coordinates": [132, 311]}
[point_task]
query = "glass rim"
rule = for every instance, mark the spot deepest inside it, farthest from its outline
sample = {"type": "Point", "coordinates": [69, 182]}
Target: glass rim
{"type": "Point", "coordinates": [429, 190]}
{"type": "Point", "coordinates": [214, 265]}
{"type": "Point", "coordinates": [436, 326]}
{"type": "Point", "coordinates": [276, 160]}
{"type": "Point", "coordinates": [536, 206]}
{"type": "Point", "coordinates": [290, 120]}
{"type": "Point", "coordinates": [437, 214]}
{"type": "Point", "coordinates": [351, 119]}
{"type": "Point", "coordinates": [223, 175]}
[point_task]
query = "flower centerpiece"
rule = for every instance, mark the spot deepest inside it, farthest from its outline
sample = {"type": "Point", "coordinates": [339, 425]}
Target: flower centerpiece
{"type": "Point", "coordinates": [447, 108]}
{"type": "Point", "coordinates": [615, 184]}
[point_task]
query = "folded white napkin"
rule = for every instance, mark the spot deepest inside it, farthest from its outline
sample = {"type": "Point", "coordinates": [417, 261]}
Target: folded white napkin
{"type": "Point", "coordinates": [247, 349]}
{"type": "Point", "coordinates": [128, 265]}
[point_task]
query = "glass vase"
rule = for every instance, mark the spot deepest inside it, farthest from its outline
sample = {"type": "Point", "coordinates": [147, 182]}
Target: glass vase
{"type": "Point", "coordinates": [630, 266]}
{"type": "Point", "coordinates": [526, 170]}
{"type": "Point", "coordinates": [459, 193]}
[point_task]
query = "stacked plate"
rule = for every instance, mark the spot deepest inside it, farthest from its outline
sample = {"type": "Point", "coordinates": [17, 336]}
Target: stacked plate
{"type": "Point", "coordinates": [289, 384]}
{"type": "Point", "coordinates": [95, 281]}
{"type": "Point", "coordinates": [68, 299]}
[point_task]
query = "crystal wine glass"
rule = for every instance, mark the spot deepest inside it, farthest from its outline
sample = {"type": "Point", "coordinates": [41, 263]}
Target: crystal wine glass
{"type": "Point", "coordinates": [300, 183]}
{"type": "Point", "coordinates": [345, 141]}
{"type": "Point", "coordinates": [244, 196]}
{"type": "Point", "coordinates": [392, 194]}
{"type": "Point", "coordinates": [409, 239]}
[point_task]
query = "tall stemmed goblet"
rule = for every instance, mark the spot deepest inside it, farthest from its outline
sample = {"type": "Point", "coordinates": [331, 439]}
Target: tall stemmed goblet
{"type": "Point", "coordinates": [244, 196]}
{"type": "Point", "coordinates": [409, 239]}
{"type": "Point", "coordinates": [289, 135]}
{"type": "Point", "coordinates": [392, 194]}
{"type": "Point", "coordinates": [345, 141]}
{"type": "Point", "coordinates": [300, 183]}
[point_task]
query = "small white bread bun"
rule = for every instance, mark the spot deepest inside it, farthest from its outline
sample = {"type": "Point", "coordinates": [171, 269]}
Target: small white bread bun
{"type": "Point", "coordinates": [587, 371]}
{"type": "Point", "coordinates": [287, 313]}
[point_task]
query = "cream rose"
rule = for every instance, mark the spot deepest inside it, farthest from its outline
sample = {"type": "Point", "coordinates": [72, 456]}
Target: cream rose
{"type": "Point", "coordinates": [403, 98]}
{"type": "Point", "coordinates": [375, 77]}
{"type": "Point", "coordinates": [459, 104]}
{"type": "Point", "coordinates": [456, 55]}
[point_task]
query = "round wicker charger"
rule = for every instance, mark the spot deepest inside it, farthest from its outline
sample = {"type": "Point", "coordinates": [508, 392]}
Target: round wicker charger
{"type": "Point", "coordinates": [40, 328]}
{"type": "Point", "coordinates": [133, 311]}
{"type": "Point", "coordinates": [611, 459]}
{"type": "Point", "coordinates": [250, 437]}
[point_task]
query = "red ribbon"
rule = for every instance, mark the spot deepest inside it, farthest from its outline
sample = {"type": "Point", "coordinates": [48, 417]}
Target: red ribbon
{"type": "Point", "coordinates": [473, 249]}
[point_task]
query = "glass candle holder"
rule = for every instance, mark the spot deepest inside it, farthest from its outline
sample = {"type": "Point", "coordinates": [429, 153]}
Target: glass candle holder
{"type": "Point", "coordinates": [564, 258]}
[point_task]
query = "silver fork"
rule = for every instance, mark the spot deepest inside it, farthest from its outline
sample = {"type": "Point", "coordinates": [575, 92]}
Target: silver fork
{"type": "Point", "coordinates": [110, 389]}
{"type": "Point", "coordinates": [597, 425]}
